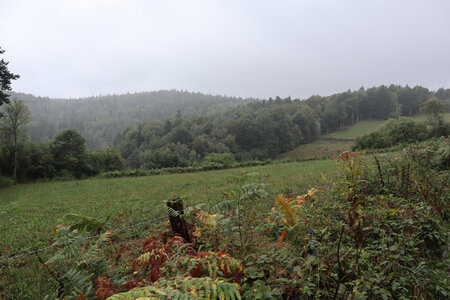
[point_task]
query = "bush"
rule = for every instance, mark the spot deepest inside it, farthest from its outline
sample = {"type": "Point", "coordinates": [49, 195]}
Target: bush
{"type": "Point", "coordinates": [65, 175]}
{"type": "Point", "coordinates": [163, 159]}
{"type": "Point", "coordinates": [104, 160]}
{"type": "Point", "coordinates": [212, 166]}
{"type": "Point", "coordinates": [251, 163]}
{"type": "Point", "coordinates": [224, 159]}
{"type": "Point", "coordinates": [379, 234]}
{"type": "Point", "coordinates": [392, 133]}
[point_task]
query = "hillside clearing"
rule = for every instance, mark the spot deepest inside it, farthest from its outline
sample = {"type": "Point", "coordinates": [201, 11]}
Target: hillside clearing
{"type": "Point", "coordinates": [340, 141]}
{"type": "Point", "coordinates": [318, 149]}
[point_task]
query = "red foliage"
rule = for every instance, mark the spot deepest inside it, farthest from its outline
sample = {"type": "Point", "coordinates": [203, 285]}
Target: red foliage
{"type": "Point", "coordinates": [150, 269]}
{"type": "Point", "coordinates": [81, 296]}
{"type": "Point", "coordinates": [150, 266]}
{"type": "Point", "coordinates": [128, 286]}
{"type": "Point", "coordinates": [104, 288]}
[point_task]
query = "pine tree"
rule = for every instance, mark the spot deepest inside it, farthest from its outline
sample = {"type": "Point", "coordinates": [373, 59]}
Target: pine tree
{"type": "Point", "coordinates": [5, 80]}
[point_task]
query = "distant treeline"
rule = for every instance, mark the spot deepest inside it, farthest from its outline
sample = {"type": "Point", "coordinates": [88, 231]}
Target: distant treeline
{"type": "Point", "coordinates": [190, 127]}
{"type": "Point", "coordinates": [381, 103]}
{"type": "Point", "coordinates": [265, 128]}
{"type": "Point", "coordinates": [101, 118]}
{"type": "Point", "coordinates": [65, 157]}
{"type": "Point", "coordinates": [256, 131]}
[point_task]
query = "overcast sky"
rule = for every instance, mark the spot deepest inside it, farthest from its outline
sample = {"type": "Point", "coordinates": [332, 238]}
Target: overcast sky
{"type": "Point", "coordinates": [73, 48]}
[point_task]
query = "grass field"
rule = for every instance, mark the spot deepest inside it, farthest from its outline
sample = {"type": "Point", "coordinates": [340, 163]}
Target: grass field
{"type": "Point", "coordinates": [363, 127]}
{"type": "Point", "coordinates": [318, 148]}
{"type": "Point", "coordinates": [29, 212]}
{"type": "Point", "coordinates": [423, 117]}
{"type": "Point", "coordinates": [332, 144]}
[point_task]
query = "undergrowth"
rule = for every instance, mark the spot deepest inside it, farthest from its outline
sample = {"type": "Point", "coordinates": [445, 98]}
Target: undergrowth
{"type": "Point", "coordinates": [380, 232]}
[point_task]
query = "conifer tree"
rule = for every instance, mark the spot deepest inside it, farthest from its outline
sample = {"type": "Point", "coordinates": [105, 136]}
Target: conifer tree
{"type": "Point", "coordinates": [5, 80]}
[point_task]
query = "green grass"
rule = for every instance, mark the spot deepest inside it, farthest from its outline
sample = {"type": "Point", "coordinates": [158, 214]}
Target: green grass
{"type": "Point", "coordinates": [365, 127]}
{"type": "Point", "coordinates": [358, 129]}
{"type": "Point", "coordinates": [340, 141]}
{"type": "Point", "coordinates": [334, 143]}
{"type": "Point", "coordinates": [29, 212]}
{"type": "Point", "coordinates": [318, 148]}
{"type": "Point", "coordinates": [423, 117]}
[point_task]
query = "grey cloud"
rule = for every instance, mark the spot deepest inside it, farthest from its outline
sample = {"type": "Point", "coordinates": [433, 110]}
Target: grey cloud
{"type": "Point", "coordinates": [243, 48]}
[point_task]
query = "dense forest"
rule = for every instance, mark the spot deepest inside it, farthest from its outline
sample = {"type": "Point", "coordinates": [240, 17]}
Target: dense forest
{"type": "Point", "coordinates": [265, 128]}
{"type": "Point", "coordinates": [100, 118]}
{"type": "Point", "coordinates": [167, 129]}
{"type": "Point", "coordinates": [256, 131]}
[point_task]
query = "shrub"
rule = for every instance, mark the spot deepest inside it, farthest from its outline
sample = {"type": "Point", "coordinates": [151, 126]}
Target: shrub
{"type": "Point", "coordinates": [225, 159]}
{"type": "Point", "coordinates": [163, 159]}
{"type": "Point", "coordinates": [381, 234]}
{"type": "Point", "coordinates": [392, 133]}
{"type": "Point", "coordinates": [105, 160]}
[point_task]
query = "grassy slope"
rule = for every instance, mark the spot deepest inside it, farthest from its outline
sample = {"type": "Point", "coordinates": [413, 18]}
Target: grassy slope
{"type": "Point", "coordinates": [30, 212]}
{"type": "Point", "coordinates": [332, 144]}
{"type": "Point", "coordinates": [360, 128]}
{"type": "Point", "coordinates": [318, 148]}
{"type": "Point", "coordinates": [337, 142]}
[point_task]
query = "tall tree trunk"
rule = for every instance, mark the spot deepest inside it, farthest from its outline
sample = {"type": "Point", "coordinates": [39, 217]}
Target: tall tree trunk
{"type": "Point", "coordinates": [15, 156]}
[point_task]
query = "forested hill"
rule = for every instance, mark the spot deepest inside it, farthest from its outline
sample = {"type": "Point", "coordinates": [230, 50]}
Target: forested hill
{"type": "Point", "coordinates": [265, 128]}
{"type": "Point", "coordinates": [101, 118]}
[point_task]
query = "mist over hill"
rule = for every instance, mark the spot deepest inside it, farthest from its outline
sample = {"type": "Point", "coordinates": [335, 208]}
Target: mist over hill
{"type": "Point", "coordinates": [105, 120]}
{"type": "Point", "coordinates": [101, 118]}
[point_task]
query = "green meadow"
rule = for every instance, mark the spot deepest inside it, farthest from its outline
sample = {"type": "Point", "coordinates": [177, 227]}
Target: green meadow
{"type": "Point", "coordinates": [340, 141]}
{"type": "Point", "coordinates": [352, 132]}
{"type": "Point", "coordinates": [30, 212]}
{"type": "Point", "coordinates": [320, 148]}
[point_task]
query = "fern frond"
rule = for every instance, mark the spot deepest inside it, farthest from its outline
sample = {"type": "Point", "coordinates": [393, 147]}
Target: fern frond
{"type": "Point", "coordinates": [66, 253]}
{"type": "Point", "coordinates": [77, 282]}
{"type": "Point", "coordinates": [85, 224]}
{"type": "Point", "coordinates": [184, 288]}
{"type": "Point", "coordinates": [149, 292]}
{"type": "Point", "coordinates": [172, 212]}
{"type": "Point", "coordinates": [188, 210]}
{"type": "Point", "coordinates": [286, 210]}
{"type": "Point", "coordinates": [223, 207]}
{"type": "Point", "coordinates": [214, 265]}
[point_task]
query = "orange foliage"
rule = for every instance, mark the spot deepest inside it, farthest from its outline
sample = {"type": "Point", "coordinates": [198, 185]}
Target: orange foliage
{"type": "Point", "coordinates": [81, 296]}
{"type": "Point", "coordinates": [150, 266]}
{"type": "Point", "coordinates": [282, 236]}
{"type": "Point", "coordinates": [104, 288]}
{"type": "Point", "coordinates": [156, 253]}
{"type": "Point", "coordinates": [287, 206]}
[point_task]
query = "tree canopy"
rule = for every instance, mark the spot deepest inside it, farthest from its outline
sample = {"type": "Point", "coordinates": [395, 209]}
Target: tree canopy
{"type": "Point", "coordinates": [69, 151]}
{"type": "Point", "coordinates": [433, 108]}
{"type": "Point", "coordinates": [13, 128]}
{"type": "Point", "coordinates": [5, 80]}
